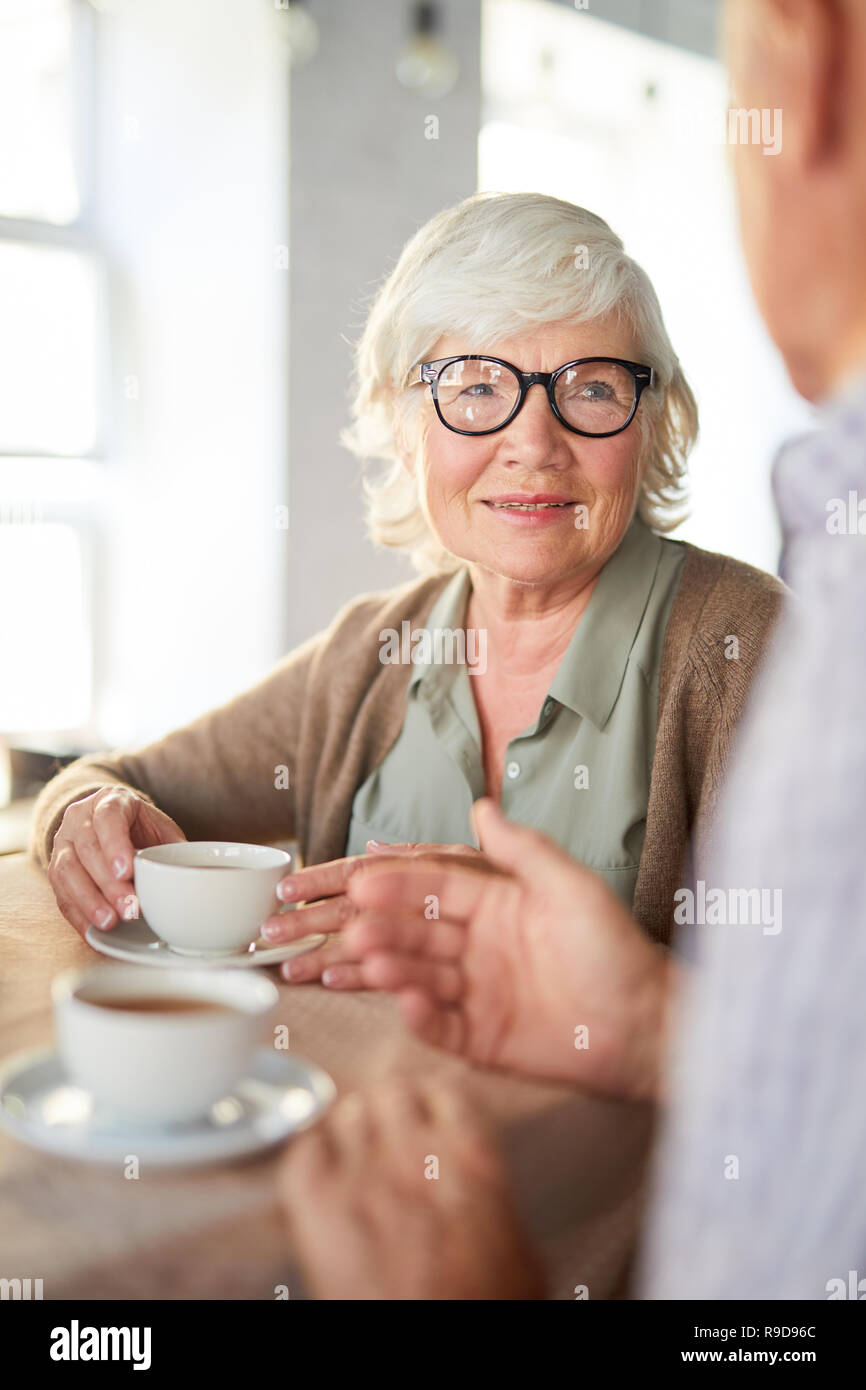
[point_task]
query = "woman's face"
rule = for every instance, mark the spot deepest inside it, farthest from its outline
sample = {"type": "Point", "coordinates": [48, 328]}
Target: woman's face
{"type": "Point", "coordinates": [465, 481]}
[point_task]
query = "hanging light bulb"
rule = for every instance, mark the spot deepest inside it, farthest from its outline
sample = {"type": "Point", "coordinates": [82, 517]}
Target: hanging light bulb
{"type": "Point", "coordinates": [425, 65]}
{"type": "Point", "coordinates": [298, 30]}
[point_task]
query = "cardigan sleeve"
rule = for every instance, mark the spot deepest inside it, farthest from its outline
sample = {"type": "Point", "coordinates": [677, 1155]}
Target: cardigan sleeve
{"type": "Point", "coordinates": [227, 775]}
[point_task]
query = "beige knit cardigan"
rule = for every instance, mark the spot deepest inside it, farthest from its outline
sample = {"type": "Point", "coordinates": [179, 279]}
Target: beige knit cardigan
{"type": "Point", "coordinates": [330, 711]}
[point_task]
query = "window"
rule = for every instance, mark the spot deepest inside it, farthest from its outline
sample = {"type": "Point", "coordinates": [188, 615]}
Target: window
{"type": "Point", "coordinates": [47, 686]}
{"type": "Point", "coordinates": [48, 350]}
{"type": "Point", "coordinates": [51, 351]}
{"type": "Point", "coordinates": [41, 118]}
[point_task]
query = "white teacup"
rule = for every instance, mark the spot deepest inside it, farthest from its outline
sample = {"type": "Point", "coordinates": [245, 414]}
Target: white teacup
{"type": "Point", "coordinates": [208, 897]}
{"type": "Point", "coordinates": [159, 1047]}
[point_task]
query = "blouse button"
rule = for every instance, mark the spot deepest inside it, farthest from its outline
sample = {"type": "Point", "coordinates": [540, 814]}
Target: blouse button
{"type": "Point", "coordinates": [513, 770]}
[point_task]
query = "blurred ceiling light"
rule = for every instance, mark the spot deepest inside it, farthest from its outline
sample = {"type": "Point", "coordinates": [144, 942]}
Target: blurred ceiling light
{"type": "Point", "coordinates": [425, 65]}
{"type": "Point", "coordinates": [298, 30]}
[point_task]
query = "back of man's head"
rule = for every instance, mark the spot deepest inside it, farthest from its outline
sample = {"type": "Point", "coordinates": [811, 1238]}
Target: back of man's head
{"type": "Point", "coordinates": [797, 125]}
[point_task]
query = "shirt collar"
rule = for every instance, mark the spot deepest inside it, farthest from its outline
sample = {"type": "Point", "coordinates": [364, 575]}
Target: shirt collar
{"type": "Point", "coordinates": [448, 612]}
{"type": "Point", "coordinates": [591, 672]}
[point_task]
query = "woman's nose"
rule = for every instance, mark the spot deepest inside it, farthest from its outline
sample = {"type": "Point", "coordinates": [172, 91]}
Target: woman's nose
{"type": "Point", "coordinates": [535, 429]}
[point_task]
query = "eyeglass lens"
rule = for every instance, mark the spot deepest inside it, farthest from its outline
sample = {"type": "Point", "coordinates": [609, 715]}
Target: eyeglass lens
{"type": "Point", "coordinates": [596, 397]}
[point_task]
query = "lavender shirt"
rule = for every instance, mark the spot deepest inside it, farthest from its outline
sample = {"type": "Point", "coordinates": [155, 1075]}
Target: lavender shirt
{"type": "Point", "coordinates": [760, 1180]}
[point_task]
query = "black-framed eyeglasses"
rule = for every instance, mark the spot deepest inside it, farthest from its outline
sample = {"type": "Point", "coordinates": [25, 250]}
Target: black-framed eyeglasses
{"type": "Point", "coordinates": [592, 396]}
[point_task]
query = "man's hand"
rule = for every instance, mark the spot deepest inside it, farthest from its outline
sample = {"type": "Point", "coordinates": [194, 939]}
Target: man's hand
{"type": "Point", "coordinates": [540, 969]}
{"type": "Point", "coordinates": [367, 1219]}
{"type": "Point", "coordinates": [324, 906]}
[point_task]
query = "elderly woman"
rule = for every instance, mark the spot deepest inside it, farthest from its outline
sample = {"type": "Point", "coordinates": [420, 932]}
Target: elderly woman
{"type": "Point", "coordinates": [517, 380]}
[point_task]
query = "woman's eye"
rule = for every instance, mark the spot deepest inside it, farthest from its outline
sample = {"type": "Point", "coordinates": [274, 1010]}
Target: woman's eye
{"type": "Point", "coordinates": [481, 388]}
{"type": "Point", "coordinates": [596, 391]}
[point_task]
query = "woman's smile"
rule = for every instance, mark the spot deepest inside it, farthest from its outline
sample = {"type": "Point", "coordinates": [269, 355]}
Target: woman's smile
{"type": "Point", "coordinates": [531, 509]}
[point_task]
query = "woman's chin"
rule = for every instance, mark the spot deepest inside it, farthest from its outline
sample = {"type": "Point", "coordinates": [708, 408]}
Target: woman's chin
{"type": "Point", "coordinates": [531, 565]}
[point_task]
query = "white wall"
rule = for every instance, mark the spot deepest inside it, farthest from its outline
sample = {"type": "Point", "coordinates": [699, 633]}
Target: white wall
{"type": "Point", "coordinates": [364, 178]}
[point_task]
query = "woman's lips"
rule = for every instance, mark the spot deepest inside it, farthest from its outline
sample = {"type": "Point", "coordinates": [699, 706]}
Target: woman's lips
{"type": "Point", "coordinates": [535, 511]}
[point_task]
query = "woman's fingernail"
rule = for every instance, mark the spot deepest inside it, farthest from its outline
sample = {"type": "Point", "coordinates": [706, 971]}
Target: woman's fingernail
{"type": "Point", "coordinates": [294, 970]}
{"type": "Point", "coordinates": [287, 890]}
{"type": "Point", "coordinates": [271, 931]}
{"type": "Point", "coordinates": [119, 867]}
{"type": "Point", "coordinates": [131, 908]}
{"type": "Point", "coordinates": [104, 918]}
{"type": "Point", "coordinates": [332, 976]}
{"type": "Point", "coordinates": [376, 844]}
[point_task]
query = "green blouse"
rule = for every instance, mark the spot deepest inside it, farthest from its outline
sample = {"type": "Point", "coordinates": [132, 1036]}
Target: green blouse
{"type": "Point", "coordinates": [581, 771]}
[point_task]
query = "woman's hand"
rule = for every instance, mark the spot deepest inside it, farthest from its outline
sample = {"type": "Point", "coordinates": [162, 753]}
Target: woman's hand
{"type": "Point", "coordinates": [540, 970]}
{"type": "Point", "coordinates": [325, 907]}
{"type": "Point", "coordinates": [91, 859]}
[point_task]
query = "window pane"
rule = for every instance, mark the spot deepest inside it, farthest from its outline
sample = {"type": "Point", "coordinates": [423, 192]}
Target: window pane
{"type": "Point", "coordinates": [38, 177]}
{"type": "Point", "coordinates": [43, 629]}
{"type": "Point", "coordinates": [48, 336]}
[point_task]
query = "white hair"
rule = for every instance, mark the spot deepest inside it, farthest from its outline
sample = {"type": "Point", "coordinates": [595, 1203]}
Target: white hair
{"type": "Point", "coordinates": [491, 267]}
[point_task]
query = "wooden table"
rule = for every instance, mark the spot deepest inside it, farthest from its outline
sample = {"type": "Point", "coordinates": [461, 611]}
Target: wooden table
{"type": "Point", "coordinates": [578, 1163]}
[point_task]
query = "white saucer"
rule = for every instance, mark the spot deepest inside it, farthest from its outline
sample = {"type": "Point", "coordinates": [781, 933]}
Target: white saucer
{"type": "Point", "coordinates": [281, 1094]}
{"type": "Point", "coordinates": [135, 942]}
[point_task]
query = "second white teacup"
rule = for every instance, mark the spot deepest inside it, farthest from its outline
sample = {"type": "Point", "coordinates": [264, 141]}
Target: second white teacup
{"type": "Point", "coordinates": [159, 1046]}
{"type": "Point", "coordinates": [208, 897]}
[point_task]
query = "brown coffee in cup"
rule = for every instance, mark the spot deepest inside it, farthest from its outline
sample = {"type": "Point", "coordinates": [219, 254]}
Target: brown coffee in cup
{"type": "Point", "coordinates": [162, 1004]}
